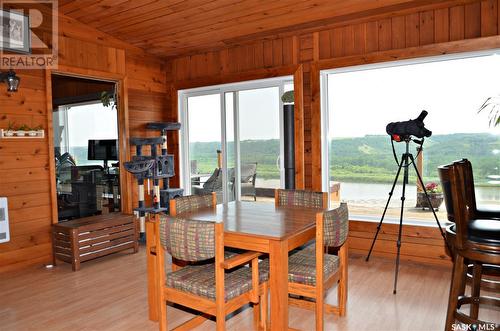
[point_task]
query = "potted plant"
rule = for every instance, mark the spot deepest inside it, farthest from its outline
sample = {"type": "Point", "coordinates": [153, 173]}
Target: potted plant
{"type": "Point", "coordinates": [288, 97]}
{"type": "Point", "coordinates": [21, 131]}
{"type": "Point", "coordinates": [11, 128]}
{"type": "Point", "coordinates": [108, 99]}
{"type": "Point", "coordinates": [33, 132]}
{"type": "Point", "coordinates": [492, 104]}
{"type": "Point", "coordinates": [435, 196]}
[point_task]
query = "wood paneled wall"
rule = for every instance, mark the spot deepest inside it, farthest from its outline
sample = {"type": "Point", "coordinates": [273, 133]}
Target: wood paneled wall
{"type": "Point", "coordinates": [427, 26]}
{"type": "Point", "coordinates": [433, 29]}
{"type": "Point", "coordinates": [152, 86]}
{"type": "Point", "coordinates": [24, 165]}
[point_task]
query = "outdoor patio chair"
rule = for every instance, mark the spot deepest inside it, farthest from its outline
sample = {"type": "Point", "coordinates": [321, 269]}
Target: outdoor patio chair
{"type": "Point", "coordinates": [248, 176]}
{"type": "Point", "coordinates": [214, 184]}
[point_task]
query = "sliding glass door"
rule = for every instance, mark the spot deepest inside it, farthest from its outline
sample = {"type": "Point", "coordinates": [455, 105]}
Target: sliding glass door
{"type": "Point", "coordinates": [260, 141]}
{"type": "Point", "coordinates": [205, 141]}
{"type": "Point", "coordinates": [231, 140]}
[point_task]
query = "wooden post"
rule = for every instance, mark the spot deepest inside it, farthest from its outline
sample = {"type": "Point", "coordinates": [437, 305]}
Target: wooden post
{"type": "Point", "coordinates": [420, 167]}
{"type": "Point", "coordinates": [151, 225]}
{"type": "Point", "coordinates": [219, 159]}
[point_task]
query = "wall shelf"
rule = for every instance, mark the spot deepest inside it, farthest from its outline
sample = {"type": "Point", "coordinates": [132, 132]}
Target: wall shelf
{"type": "Point", "coordinates": [5, 134]}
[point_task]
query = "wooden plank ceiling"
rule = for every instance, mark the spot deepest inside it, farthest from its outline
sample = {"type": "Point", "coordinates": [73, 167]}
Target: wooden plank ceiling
{"type": "Point", "coordinates": [173, 27]}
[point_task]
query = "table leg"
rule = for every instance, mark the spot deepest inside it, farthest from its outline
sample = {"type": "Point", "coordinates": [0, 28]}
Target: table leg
{"type": "Point", "coordinates": [151, 265]}
{"type": "Point", "coordinates": [278, 280]}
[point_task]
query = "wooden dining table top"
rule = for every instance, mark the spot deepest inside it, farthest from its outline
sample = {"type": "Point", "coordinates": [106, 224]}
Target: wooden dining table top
{"type": "Point", "coordinates": [260, 219]}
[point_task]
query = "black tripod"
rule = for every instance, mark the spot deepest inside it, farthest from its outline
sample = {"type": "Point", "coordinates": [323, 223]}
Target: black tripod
{"type": "Point", "coordinates": [406, 160]}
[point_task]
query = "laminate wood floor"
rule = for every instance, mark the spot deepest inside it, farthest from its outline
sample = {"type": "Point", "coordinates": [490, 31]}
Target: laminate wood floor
{"type": "Point", "coordinates": [110, 294]}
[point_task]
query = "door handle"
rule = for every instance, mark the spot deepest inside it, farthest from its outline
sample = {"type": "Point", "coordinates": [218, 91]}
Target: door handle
{"type": "Point", "coordinates": [278, 166]}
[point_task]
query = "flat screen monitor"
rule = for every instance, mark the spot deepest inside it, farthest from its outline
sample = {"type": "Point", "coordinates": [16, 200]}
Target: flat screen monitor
{"type": "Point", "coordinates": [103, 150]}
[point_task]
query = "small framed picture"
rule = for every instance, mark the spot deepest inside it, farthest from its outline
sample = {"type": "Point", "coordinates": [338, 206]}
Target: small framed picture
{"type": "Point", "coordinates": [14, 32]}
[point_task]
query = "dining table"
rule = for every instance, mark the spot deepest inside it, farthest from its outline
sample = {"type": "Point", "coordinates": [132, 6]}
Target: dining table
{"type": "Point", "coordinates": [267, 228]}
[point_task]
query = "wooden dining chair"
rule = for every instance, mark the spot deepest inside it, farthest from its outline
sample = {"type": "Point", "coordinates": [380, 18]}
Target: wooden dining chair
{"type": "Point", "coordinates": [186, 204]}
{"type": "Point", "coordinates": [177, 205]}
{"type": "Point", "coordinates": [474, 241]}
{"type": "Point", "coordinates": [301, 198]}
{"type": "Point", "coordinates": [192, 202]}
{"type": "Point", "coordinates": [312, 272]}
{"type": "Point", "coordinates": [214, 289]}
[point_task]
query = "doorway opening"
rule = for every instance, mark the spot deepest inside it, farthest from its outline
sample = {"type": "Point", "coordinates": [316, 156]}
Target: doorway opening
{"type": "Point", "coordinates": [86, 147]}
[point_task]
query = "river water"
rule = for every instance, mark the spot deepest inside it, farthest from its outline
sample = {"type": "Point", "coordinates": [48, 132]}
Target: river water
{"type": "Point", "coordinates": [377, 193]}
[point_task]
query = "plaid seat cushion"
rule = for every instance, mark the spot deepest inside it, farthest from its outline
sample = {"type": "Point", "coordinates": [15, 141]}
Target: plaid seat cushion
{"type": "Point", "coordinates": [187, 240]}
{"type": "Point", "coordinates": [336, 226]}
{"type": "Point", "coordinates": [300, 198]}
{"type": "Point", "coordinates": [192, 202]}
{"type": "Point", "coordinates": [200, 280]}
{"type": "Point", "coordinates": [302, 266]}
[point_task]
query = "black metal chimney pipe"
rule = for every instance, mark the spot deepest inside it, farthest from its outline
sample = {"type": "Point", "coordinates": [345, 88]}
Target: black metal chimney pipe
{"type": "Point", "coordinates": [289, 137]}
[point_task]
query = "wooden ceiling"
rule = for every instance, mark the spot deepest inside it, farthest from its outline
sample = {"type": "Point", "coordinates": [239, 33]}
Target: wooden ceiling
{"type": "Point", "coordinates": [173, 27]}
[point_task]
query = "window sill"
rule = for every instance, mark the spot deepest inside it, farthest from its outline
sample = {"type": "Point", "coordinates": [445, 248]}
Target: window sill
{"type": "Point", "coordinates": [390, 220]}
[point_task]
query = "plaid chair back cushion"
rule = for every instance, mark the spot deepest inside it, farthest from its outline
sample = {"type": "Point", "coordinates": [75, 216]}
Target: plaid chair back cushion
{"type": "Point", "coordinates": [192, 202]}
{"type": "Point", "coordinates": [300, 198]}
{"type": "Point", "coordinates": [336, 226]}
{"type": "Point", "coordinates": [187, 240]}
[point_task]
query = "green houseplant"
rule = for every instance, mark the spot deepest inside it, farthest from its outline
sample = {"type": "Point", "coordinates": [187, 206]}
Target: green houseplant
{"type": "Point", "coordinates": [21, 131]}
{"type": "Point", "coordinates": [493, 105]}
{"type": "Point", "coordinates": [288, 97]}
{"type": "Point", "coordinates": [33, 132]}
{"type": "Point", "coordinates": [107, 99]}
{"type": "Point", "coordinates": [11, 129]}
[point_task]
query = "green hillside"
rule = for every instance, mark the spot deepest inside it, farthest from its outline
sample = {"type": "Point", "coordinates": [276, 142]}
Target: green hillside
{"type": "Point", "coordinates": [369, 158]}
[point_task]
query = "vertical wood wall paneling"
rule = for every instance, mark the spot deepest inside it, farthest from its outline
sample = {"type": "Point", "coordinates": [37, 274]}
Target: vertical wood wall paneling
{"type": "Point", "coordinates": [472, 17]}
{"type": "Point", "coordinates": [25, 171]}
{"type": "Point", "coordinates": [50, 138]}
{"type": "Point", "coordinates": [489, 18]}
{"type": "Point", "coordinates": [457, 23]}
{"type": "Point", "coordinates": [441, 25]}
{"type": "Point", "coordinates": [396, 31]}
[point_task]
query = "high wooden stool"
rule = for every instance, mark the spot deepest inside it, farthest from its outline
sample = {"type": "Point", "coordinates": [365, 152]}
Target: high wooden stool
{"type": "Point", "coordinates": [475, 241]}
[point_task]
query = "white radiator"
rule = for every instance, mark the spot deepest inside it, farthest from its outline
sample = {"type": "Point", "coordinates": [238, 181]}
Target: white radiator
{"type": "Point", "coordinates": [4, 221]}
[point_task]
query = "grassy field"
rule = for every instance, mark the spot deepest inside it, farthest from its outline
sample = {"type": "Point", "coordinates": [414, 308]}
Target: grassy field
{"type": "Point", "coordinates": [369, 159]}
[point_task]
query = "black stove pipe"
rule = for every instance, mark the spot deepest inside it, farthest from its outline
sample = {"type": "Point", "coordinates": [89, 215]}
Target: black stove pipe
{"type": "Point", "coordinates": [289, 140]}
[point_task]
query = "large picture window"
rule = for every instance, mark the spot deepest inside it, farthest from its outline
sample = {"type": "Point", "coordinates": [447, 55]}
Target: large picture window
{"type": "Point", "coordinates": [360, 102]}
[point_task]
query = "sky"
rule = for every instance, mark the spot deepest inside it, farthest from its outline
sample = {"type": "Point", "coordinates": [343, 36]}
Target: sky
{"type": "Point", "coordinates": [259, 115]}
{"type": "Point", "coordinates": [360, 103]}
{"type": "Point", "coordinates": [364, 102]}
{"type": "Point", "coordinates": [91, 122]}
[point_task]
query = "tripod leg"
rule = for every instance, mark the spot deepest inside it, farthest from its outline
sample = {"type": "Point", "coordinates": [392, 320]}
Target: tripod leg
{"type": "Point", "coordinates": [405, 181]}
{"type": "Point", "coordinates": [385, 210]}
{"type": "Point", "coordinates": [429, 202]}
